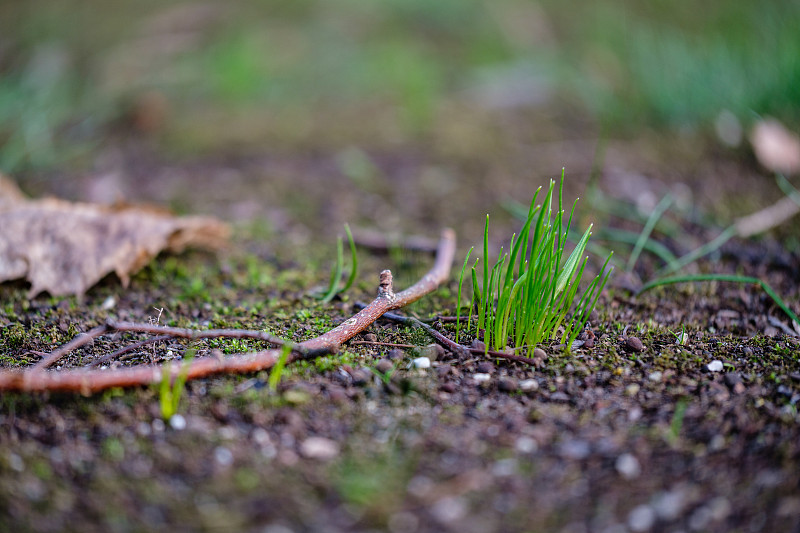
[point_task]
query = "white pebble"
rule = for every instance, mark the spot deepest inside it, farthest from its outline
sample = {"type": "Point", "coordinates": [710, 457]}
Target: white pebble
{"type": "Point", "coordinates": [422, 362]}
{"type": "Point", "coordinates": [628, 466]}
{"type": "Point", "coordinates": [109, 303]}
{"type": "Point", "coordinates": [319, 448]}
{"type": "Point", "coordinates": [480, 378]}
{"type": "Point", "coordinates": [715, 366]}
{"type": "Point", "coordinates": [528, 385]}
{"type": "Point", "coordinates": [526, 445]}
{"type": "Point", "coordinates": [449, 509]}
{"type": "Point", "coordinates": [177, 422]}
{"type": "Point", "coordinates": [223, 456]}
{"type": "Point", "coordinates": [641, 518]}
{"type": "Point", "coordinates": [655, 376]}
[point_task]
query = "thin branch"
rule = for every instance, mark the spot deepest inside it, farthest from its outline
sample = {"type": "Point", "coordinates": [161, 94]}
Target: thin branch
{"type": "Point", "coordinates": [129, 348]}
{"type": "Point", "coordinates": [452, 345]}
{"type": "Point", "coordinates": [36, 378]}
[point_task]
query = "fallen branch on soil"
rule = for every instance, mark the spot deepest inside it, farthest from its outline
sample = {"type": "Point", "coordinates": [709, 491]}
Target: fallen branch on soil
{"type": "Point", "coordinates": [452, 345]}
{"type": "Point", "coordinates": [37, 378]}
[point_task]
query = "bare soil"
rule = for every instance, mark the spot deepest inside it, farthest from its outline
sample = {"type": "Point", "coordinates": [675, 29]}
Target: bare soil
{"type": "Point", "coordinates": [617, 436]}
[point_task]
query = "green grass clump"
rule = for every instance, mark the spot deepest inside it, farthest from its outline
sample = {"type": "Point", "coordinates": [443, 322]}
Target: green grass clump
{"type": "Point", "coordinates": [531, 294]}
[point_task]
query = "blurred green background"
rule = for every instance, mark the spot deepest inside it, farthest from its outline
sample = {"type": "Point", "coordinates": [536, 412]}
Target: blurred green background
{"type": "Point", "coordinates": [222, 76]}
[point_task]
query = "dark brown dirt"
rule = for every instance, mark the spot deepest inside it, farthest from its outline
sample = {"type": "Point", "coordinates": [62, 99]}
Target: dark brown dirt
{"type": "Point", "coordinates": [641, 432]}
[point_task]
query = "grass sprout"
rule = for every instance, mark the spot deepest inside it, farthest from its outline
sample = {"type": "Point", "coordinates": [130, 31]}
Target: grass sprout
{"type": "Point", "coordinates": [170, 393]}
{"type": "Point", "coordinates": [530, 291]}
{"type": "Point", "coordinates": [277, 370]}
{"type": "Point", "coordinates": [336, 274]}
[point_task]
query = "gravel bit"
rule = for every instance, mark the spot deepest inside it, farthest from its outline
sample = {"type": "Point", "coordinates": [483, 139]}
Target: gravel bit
{"type": "Point", "coordinates": [634, 344]}
{"type": "Point", "coordinates": [319, 448]}
{"type": "Point", "coordinates": [714, 366]}
{"type": "Point", "coordinates": [422, 362]}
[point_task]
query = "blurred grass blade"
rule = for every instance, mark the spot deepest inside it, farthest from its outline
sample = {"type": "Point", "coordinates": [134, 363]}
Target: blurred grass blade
{"type": "Point", "coordinates": [724, 277]}
{"type": "Point", "coordinates": [662, 206]}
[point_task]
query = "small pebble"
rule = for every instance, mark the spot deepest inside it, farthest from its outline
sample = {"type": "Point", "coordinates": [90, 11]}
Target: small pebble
{"type": "Point", "coordinates": [634, 344]}
{"type": "Point", "coordinates": [508, 385]}
{"type": "Point", "coordinates": [528, 385]}
{"type": "Point", "coordinates": [478, 345]}
{"type": "Point", "coordinates": [480, 378]}
{"type": "Point", "coordinates": [360, 377]}
{"type": "Point", "coordinates": [628, 466]}
{"type": "Point", "coordinates": [395, 354]}
{"type": "Point", "coordinates": [526, 444]}
{"type": "Point", "coordinates": [384, 366]}
{"type": "Point", "coordinates": [641, 518]}
{"type": "Point", "coordinates": [223, 456]}
{"type": "Point", "coordinates": [714, 366]}
{"type": "Point", "coordinates": [319, 448]}
{"type": "Point", "coordinates": [485, 367]}
{"type": "Point", "coordinates": [177, 422]}
{"type": "Point", "coordinates": [431, 351]}
{"type": "Point", "coordinates": [655, 376]}
{"type": "Point", "coordinates": [448, 387]}
{"type": "Point", "coordinates": [575, 449]}
{"type": "Point", "coordinates": [371, 337]}
{"type": "Point", "coordinates": [731, 379]}
{"type": "Point", "coordinates": [422, 362]}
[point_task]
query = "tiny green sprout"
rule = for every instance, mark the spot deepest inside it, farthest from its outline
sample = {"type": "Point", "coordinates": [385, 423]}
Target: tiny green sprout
{"type": "Point", "coordinates": [336, 274]}
{"type": "Point", "coordinates": [170, 393]}
{"type": "Point", "coordinates": [277, 370]}
{"type": "Point", "coordinates": [530, 294]}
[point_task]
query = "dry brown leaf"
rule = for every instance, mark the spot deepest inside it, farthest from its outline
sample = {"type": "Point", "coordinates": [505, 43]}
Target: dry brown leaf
{"type": "Point", "coordinates": [777, 148]}
{"type": "Point", "coordinates": [64, 248]}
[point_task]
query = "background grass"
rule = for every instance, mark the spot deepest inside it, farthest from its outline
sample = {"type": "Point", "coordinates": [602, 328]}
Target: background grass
{"type": "Point", "coordinates": [219, 75]}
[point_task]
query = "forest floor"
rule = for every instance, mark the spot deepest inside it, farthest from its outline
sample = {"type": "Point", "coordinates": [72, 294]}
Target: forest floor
{"type": "Point", "coordinates": [609, 438]}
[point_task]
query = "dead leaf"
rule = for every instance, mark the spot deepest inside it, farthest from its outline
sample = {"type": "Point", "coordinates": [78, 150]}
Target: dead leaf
{"type": "Point", "coordinates": [777, 148]}
{"type": "Point", "coordinates": [64, 248]}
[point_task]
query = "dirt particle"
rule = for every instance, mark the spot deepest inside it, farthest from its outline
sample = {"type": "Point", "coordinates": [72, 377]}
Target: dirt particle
{"type": "Point", "coordinates": [634, 344]}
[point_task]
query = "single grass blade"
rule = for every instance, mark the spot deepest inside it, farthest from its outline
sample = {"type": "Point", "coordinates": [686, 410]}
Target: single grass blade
{"type": "Point", "coordinates": [724, 277]}
{"type": "Point", "coordinates": [708, 248]}
{"type": "Point", "coordinates": [353, 258]}
{"type": "Point", "coordinates": [644, 236]}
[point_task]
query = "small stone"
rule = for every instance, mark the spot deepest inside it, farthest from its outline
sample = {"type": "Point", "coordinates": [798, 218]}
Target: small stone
{"type": "Point", "coordinates": [431, 351]}
{"type": "Point", "coordinates": [731, 379]}
{"type": "Point", "coordinates": [634, 344]}
{"type": "Point", "coordinates": [559, 396]}
{"type": "Point", "coordinates": [177, 422]}
{"type": "Point", "coordinates": [641, 518]}
{"type": "Point", "coordinates": [538, 353]}
{"type": "Point", "coordinates": [422, 362]}
{"type": "Point", "coordinates": [223, 456]}
{"type": "Point", "coordinates": [485, 367]}
{"type": "Point", "coordinates": [395, 354]}
{"type": "Point", "coordinates": [480, 378]}
{"type": "Point", "coordinates": [632, 389]}
{"type": "Point", "coordinates": [528, 385]}
{"type": "Point", "coordinates": [371, 337]}
{"type": "Point", "coordinates": [360, 377]}
{"type": "Point", "coordinates": [508, 385]}
{"type": "Point", "coordinates": [319, 448]}
{"type": "Point", "coordinates": [109, 303]}
{"type": "Point", "coordinates": [714, 366]}
{"type": "Point", "coordinates": [669, 505]}
{"type": "Point", "coordinates": [478, 345]}
{"type": "Point", "coordinates": [628, 466]}
{"type": "Point", "coordinates": [575, 449]}
{"type": "Point", "coordinates": [448, 387]}
{"type": "Point", "coordinates": [526, 444]}
{"type": "Point", "coordinates": [384, 366]}
{"type": "Point", "coordinates": [449, 509]}
{"type": "Point", "coordinates": [655, 376]}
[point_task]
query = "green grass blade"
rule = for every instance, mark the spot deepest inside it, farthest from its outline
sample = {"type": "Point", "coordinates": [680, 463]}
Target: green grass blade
{"type": "Point", "coordinates": [644, 236]}
{"type": "Point", "coordinates": [571, 265]}
{"type": "Point", "coordinates": [724, 277]}
{"type": "Point", "coordinates": [333, 287]}
{"type": "Point", "coordinates": [353, 258]}
{"type": "Point", "coordinates": [787, 188]}
{"type": "Point", "coordinates": [700, 252]}
{"type": "Point", "coordinates": [458, 301]}
{"type": "Point", "coordinates": [277, 370]}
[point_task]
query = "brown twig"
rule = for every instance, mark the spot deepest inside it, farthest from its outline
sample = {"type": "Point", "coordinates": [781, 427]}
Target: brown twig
{"type": "Point", "coordinates": [129, 348]}
{"type": "Point", "coordinates": [452, 345]}
{"type": "Point", "coordinates": [37, 378]}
